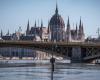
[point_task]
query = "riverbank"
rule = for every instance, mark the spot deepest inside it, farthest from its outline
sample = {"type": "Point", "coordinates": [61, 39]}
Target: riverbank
{"type": "Point", "coordinates": [37, 63]}
{"type": "Point", "coordinates": [22, 63]}
{"type": "Point", "coordinates": [30, 63]}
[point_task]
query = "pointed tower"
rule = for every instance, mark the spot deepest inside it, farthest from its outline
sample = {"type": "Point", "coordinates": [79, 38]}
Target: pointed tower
{"type": "Point", "coordinates": [76, 32]}
{"type": "Point", "coordinates": [38, 23]}
{"type": "Point", "coordinates": [28, 29]}
{"type": "Point", "coordinates": [41, 30]}
{"type": "Point", "coordinates": [80, 27]}
{"type": "Point", "coordinates": [68, 31]}
{"type": "Point", "coordinates": [8, 33]}
{"type": "Point", "coordinates": [41, 23]}
{"type": "Point", "coordinates": [81, 31]}
{"type": "Point", "coordinates": [49, 31]}
{"type": "Point", "coordinates": [1, 34]}
{"type": "Point", "coordinates": [35, 28]}
{"type": "Point", "coordinates": [56, 11]}
{"type": "Point", "coordinates": [35, 24]}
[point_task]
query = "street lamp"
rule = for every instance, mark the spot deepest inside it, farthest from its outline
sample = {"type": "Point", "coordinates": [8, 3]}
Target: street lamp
{"type": "Point", "coordinates": [52, 61]}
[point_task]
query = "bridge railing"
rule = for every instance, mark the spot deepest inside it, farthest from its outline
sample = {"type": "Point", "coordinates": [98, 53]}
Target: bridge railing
{"type": "Point", "coordinates": [51, 43]}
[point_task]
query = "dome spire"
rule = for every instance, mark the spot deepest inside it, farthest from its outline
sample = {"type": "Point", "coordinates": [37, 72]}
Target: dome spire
{"type": "Point", "coordinates": [68, 24]}
{"type": "Point", "coordinates": [56, 11]}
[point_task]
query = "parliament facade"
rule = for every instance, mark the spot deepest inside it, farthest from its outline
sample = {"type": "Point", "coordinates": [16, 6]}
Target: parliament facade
{"type": "Point", "coordinates": [57, 31]}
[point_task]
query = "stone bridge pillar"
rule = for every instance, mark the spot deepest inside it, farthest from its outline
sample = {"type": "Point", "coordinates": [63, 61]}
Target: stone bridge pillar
{"type": "Point", "coordinates": [76, 55]}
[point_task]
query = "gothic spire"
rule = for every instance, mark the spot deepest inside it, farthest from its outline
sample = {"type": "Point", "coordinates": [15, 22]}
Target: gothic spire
{"type": "Point", "coordinates": [76, 27]}
{"type": "Point", "coordinates": [35, 24]}
{"type": "Point", "coordinates": [56, 11]}
{"type": "Point", "coordinates": [41, 23]}
{"type": "Point", "coordinates": [80, 22]}
{"type": "Point", "coordinates": [38, 23]}
{"type": "Point", "coordinates": [68, 31]}
{"type": "Point", "coordinates": [68, 24]}
{"type": "Point", "coordinates": [82, 29]}
{"type": "Point", "coordinates": [80, 26]}
{"type": "Point", "coordinates": [28, 23]}
{"type": "Point", "coordinates": [35, 28]}
{"type": "Point", "coordinates": [76, 31]}
{"type": "Point", "coordinates": [28, 28]}
{"type": "Point", "coordinates": [1, 33]}
{"type": "Point", "coordinates": [8, 32]}
{"type": "Point", "coordinates": [41, 31]}
{"type": "Point", "coordinates": [41, 27]}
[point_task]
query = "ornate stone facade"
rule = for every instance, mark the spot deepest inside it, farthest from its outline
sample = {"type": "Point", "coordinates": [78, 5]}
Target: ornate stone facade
{"type": "Point", "coordinates": [57, 27]}
{"type": "Point", "coordinates": [57, 32]}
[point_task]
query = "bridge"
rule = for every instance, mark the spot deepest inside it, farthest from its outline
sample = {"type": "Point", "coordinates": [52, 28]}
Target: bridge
{"type": "Point", "coordinates": [76, 51]}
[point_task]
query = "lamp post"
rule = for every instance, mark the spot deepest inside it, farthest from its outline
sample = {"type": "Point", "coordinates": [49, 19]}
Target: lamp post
{"type": "Point", "coordinates": [52, 61]}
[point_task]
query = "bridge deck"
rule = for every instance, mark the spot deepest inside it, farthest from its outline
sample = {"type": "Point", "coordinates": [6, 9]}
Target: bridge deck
{"type": "Point", "coordinates": [81, 44]}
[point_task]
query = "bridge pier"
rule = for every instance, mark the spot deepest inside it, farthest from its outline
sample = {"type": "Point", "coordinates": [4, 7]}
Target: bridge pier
{"type": "Point", "coordinates": [76, 55]}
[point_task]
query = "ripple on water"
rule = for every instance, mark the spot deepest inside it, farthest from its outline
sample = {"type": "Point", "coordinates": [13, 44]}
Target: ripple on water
{"type": "Point", "coordinates": [67, 72]}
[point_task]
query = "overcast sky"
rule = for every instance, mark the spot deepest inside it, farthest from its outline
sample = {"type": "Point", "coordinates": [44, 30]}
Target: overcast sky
{"type": "Point", "coordinates": [15, 13]}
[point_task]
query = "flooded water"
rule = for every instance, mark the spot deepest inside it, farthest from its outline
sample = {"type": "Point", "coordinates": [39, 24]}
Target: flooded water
{"type": "Point", "coordinates": [62, 71]}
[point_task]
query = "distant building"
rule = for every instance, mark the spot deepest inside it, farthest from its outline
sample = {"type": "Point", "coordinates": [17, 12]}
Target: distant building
{"type": "Point", "coordinates": [39, 32]}
{"type": "Point", "coordinates": [57, 32]}
{"type": "Point", "coordinates": [92, 39]}
{"type": "Point", "coordinates": [57, 27]}
{"type": "Point", "coordinates": [12, 52]}
{"type": "Point", "coordinates": [75, 35]}
{"type": "Point", "coordinates": [17, 34]}
{"type": "Point", "coordinates": [15, 37]}
{"type": "Point", "coordinates": [7, 37]}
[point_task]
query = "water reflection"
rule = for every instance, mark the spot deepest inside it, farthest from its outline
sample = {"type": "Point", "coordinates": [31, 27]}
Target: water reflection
{"type": "Point", "coordinates": [43, 72]}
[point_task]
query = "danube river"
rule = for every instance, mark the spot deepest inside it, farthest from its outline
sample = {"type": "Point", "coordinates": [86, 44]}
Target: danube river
{"type": "Point", "coordinates": [42, 71]}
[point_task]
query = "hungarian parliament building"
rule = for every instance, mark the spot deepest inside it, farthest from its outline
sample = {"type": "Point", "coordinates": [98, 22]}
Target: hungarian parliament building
{"type": "Point", "coordinates": [55, 31]}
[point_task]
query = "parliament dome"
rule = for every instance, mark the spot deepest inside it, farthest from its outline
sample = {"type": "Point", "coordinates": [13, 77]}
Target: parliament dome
{"type": "Point", "coordinates": [56, 19]}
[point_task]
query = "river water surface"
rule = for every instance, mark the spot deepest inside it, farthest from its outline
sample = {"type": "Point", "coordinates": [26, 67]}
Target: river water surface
{"type": "Point", "coordinates": [43, 72]}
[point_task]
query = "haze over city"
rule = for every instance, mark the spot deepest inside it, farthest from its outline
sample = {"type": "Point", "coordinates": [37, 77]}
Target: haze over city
{"type": "Point", "coordinates": [15, 13]}
{"type": "Point", "coordinates": [49, 39]}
